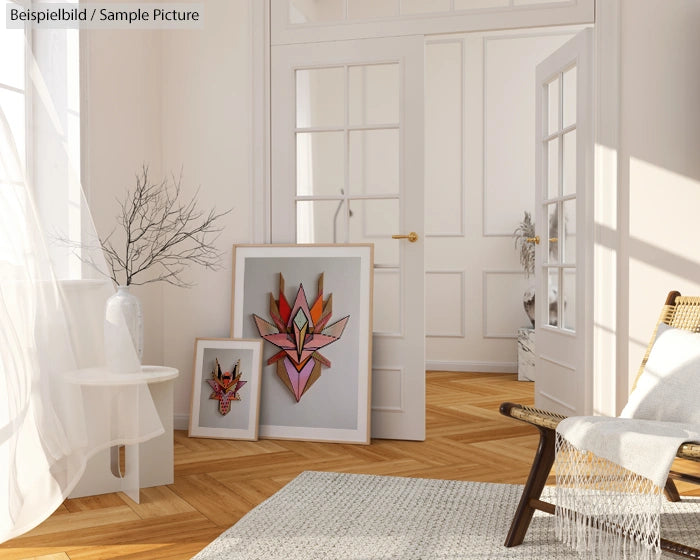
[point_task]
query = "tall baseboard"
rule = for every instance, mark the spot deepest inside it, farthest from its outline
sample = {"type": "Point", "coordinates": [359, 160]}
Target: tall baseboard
{"type": "Point", "coordinates": [181, 421]}
{"type": "Point", "coordinates": [481, 367]}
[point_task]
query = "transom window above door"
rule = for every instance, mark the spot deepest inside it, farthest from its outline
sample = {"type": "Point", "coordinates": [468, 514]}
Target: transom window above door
{"type": "Point", "coordinates": [326, 11]}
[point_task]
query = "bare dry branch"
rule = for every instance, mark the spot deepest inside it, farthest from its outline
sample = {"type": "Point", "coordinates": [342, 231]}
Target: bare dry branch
{"type": "Point", "coordinates": [163, 233]}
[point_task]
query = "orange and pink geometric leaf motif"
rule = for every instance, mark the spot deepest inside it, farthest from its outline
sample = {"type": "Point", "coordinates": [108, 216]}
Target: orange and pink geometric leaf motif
{"type": "Point", "coordinates": [226, 386]}
{"type": "Point", "coordinates": [300, 331]}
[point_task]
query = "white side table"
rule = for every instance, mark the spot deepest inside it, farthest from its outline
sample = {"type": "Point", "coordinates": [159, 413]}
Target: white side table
{"type": "Point", "coordinates": [149, 463]}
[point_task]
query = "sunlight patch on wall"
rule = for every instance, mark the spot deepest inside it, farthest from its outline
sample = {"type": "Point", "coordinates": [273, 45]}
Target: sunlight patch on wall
{"type": "Point", "coordinates": [663, 208]}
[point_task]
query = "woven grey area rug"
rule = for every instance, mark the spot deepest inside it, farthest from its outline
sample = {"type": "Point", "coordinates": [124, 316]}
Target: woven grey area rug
{"type": "Point", "coordinates": [321, 515]}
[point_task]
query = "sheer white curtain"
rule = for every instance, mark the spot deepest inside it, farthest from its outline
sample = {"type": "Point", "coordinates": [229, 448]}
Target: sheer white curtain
{"type": "Point", "coordinates": [50, 426]}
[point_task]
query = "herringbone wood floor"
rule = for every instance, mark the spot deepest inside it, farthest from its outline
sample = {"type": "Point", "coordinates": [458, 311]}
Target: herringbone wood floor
{"type": "Point", "coordinates": [218, 481]}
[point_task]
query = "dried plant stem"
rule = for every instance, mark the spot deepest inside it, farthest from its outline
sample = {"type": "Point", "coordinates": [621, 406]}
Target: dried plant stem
{"type": "Point", "coordinates": [162, 233]}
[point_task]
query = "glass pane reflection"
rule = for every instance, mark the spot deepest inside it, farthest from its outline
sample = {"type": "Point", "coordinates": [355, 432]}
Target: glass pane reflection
{"type": "Point", "coordinates": [569, 108]}
{"type": "Point", "coordinates": [320, 163]}
{"type": "Point", "coordinates": [321, 221]}
{"type": "Point", "coordinates": [569, 299]}
{"type": "Point", "coordinates": [569, 163]}
{"type": "Point", "coordinates": [374, 94]}
{"type": "Point", "coordinates": [553, 106]}
{"type": "Point", "coordinates": [320, 97]}
{"type": "Point", "coordinates": [553, 168]}
{"type": "Point", "coordinates": [551, 311]}
{"type": "Point", "coordinates": [374, 161]}
{"type": "Point", "coordinates": [569, 248]}
{"type": "Point", "coordinates": [302, 11]}
{"type": "Point", "coordinates": [553, 233]}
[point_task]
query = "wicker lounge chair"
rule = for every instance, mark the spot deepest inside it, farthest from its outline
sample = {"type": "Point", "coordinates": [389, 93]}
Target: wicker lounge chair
{"type": "Point", "coordinates": [681, 312]}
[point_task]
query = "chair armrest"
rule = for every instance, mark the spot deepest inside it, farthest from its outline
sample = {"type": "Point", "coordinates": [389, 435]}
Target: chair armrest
{"type": "Point", "coordinates": [550, 420]}
{"type": "Point", "coordinates": [689, 451]}
{"type": "Point", "coordinates": [535, 416]}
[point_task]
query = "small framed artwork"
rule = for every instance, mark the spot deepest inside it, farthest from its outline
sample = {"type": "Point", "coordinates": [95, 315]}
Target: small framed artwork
{"type": "Point", "coordinates": [311, 305]}
{"type": "Point", "coordinates": [226, 388]}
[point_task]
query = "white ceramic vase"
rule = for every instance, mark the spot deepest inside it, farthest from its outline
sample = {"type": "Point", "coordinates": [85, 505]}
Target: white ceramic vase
{"type": "Point", "coordinates": [123, 332]}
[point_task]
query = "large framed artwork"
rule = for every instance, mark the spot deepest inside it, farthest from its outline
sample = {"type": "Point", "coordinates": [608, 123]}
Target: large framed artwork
{"type": "Point", "coordinates": [226, 388]}
{"type": "Point", "coordinates": [312, 307]}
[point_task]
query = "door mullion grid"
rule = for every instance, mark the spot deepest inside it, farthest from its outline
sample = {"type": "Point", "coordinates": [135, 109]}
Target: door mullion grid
{"type": "Point", "coordinates": [313, 197]}
{"type": "Point", "coordinates": [560, 204]}
{"type": "Point", "coordinates": [346, 147]}
{"type": "Point", "coordinates": [330, 128]}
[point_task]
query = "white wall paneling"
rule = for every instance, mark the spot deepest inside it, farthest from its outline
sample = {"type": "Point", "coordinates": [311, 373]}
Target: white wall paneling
{"type": "Point", "coordinates": [388, 382]}
{"type": "Point", "coordinates": [388, 294]}
{"type": "Point", "coordinates": [559, 376]}
{"type": "Point", "coordinates": [509, 122]}
{"type": "Point", "coordinates": [444, 303]}
{"type": "Point", "coordinates": [503, 311]}
{"type": "Point", "coordinates": [479, 180]}
{"type": "Point", "coordinates": [472, 366]}
{"type": "Point", "coordinates": [444, 138]}
{"type": "Point", "coordinates": [299, 21]}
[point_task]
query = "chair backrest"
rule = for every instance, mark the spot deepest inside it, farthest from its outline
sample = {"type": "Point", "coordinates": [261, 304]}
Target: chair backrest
{"type": "Point", "coordinates": [680, 312]}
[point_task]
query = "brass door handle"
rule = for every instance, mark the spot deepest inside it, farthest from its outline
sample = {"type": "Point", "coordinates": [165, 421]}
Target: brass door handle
{"type": "Point", "coordinates": [535, 240]}
{"type": "Point", "coordinates": [412, 237]}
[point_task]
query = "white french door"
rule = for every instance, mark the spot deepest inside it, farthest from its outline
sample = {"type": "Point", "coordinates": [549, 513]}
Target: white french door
{"type": "Point", "coordinates": [347, 167]}
{"type": "Point", "coordinates": [564, 210]}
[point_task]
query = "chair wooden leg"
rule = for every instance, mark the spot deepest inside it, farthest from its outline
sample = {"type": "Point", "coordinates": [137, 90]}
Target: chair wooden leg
{"type": "Point", "coordinates": [671, 491]}
{"type": "Point", "coordinates": [541, 466]}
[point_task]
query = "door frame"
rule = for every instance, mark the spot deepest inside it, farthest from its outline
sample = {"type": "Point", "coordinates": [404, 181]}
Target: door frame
{"type": "Point", "coordinates": [609, 320]}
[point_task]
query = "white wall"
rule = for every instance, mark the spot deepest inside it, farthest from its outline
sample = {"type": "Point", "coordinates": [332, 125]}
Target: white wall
{"type": "Point", "coordinates": [206, 130]}
{"type": "Point", "coordinates": [121, 105]}
{"type": "Point", "coordinates": [175, 100]}
{"type": "Point", "coordinates": [659, 167]}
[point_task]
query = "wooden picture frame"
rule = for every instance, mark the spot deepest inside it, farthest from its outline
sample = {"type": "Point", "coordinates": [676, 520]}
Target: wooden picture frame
{"type": "Point", "coordinates": [227, 407]}
{"type": "Point", "coordinates": [312, 304]}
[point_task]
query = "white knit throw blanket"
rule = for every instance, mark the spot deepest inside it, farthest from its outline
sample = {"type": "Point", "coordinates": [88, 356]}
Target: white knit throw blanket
{"type": "Point", "coordinates": [611, 471]}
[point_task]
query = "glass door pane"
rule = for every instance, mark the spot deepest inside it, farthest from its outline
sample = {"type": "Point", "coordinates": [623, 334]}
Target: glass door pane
{"type": "Point", "coordinates": [374, 94]}
{"type": "Point", "coordinates": [553, 233]}
{"type": "Point", "coordinates": [551, 307]}
{"type": "Point", "coordinates": [559, 200]}
{"type": "Point", "coordinates": [320, 97]}
{"type": "Point", "coordinates": [569, 98]}
{"type": "Point", "coordinates": [320, 163]}
{"type": "Point", "coordinates": [321, 221]}
{"type": "Point", "coordinates": [568, 299]}
{"type": "Point", "coordinates": [373, 162]}
{"type": "Point", "coordinates": [553, 106]}
{"type": "Point", "coordinates": [569, 232]}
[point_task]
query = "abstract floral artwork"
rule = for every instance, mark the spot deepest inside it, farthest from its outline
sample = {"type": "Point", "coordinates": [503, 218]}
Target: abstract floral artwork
{"type": "Point", "coordinates": [226, 385]}
{"type": "Point", "coordinates": [300, 330]}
